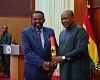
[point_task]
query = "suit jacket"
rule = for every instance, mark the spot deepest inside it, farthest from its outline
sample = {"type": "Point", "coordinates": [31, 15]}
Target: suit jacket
{"type": "Point", "coordinates": [74, 45]}
{"type": "Point", "coordinates": [35, 54]}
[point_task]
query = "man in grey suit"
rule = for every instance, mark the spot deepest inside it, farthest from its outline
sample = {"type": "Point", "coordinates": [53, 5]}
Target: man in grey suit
{"type": "Point", "coordinates": [73, 50]}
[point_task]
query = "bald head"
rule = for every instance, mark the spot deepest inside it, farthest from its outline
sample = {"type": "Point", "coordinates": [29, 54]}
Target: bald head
{"type": "Point", "coordinates": [5, 28]}
{"type": "Point", "coordinates": [69, 12]}
{"type": "Point", "coordinates": [67, 18]}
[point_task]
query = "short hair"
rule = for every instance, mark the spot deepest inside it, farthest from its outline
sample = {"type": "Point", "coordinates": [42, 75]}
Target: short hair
{"type": "Point", "coordinates": [69, 11]}
{"type": "Point", "coordinates": [39, 12]}
{"type": "Point", "coordinates": [72, 14]}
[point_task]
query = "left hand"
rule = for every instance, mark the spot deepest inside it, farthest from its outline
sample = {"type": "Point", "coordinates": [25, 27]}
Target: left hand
{"type": "Point", "coordinates": [57, 60]}
{"type": "Point", "coordinates": [45, 65]}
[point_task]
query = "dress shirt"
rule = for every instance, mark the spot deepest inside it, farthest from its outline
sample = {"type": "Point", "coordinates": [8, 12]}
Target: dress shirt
{"type": "Point", "coordinates": [42, 37]}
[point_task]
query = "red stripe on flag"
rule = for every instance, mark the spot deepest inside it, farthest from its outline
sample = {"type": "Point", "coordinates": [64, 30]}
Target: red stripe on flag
{"type": "Point", "coordinates": [52, 41]}
{"type": "Point", "coordinates": [88, 26]}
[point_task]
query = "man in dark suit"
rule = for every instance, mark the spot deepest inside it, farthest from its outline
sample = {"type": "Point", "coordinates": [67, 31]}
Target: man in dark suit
{"type": "Point", "coordinates": [5, 40]}
{"type": "Point", "coordinates": [73, 50]}
{"type": "Point", "coordinates": [36, 49]}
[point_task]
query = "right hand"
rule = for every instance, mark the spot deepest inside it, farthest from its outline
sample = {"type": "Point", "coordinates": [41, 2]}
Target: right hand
{"type": "Point", "coordinates": [47, 65]}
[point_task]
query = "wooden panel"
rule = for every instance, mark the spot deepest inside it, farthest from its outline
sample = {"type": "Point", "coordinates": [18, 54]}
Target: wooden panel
{"type": "Point", "coordinates": [96, 3]}
{"type": "Point", "coordinates": [79, 11]}
{"type": "Point", "coordinates": [20, 66]}
{"type": "Point", "coordinates": [16, 8]}
{"type": "Point", "coordinates": [96, 26]}
{"type": "Point", "coordinates": [15, 26]}
{"type": "Point", "coordinates": [13, 67]}
{"type": "Point", "coordinates": [17, 64]}
{"type": "Point", "coordinates": [33, 5]}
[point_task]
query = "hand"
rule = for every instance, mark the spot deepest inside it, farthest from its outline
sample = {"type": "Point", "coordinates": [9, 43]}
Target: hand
{"type": "Point", "coordinates": [50, 65]}
{"type": "Point", "coordinates": [45, 65]}
{"type": "Point", "coordinates": [51, 72]}
{"type": "Point", "coordinates": [57, 60]}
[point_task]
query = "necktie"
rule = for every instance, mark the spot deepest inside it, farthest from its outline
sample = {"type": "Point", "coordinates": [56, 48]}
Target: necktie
{"type": "Point", "coordinates": [39, 33]}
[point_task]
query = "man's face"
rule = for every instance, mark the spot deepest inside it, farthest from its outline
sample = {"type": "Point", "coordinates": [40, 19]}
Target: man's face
{"type": "Point", "coordinates": [66, 19]}
{"type": "Point", "coordinates": [4, 29]}
{"type": "Point", "coordinates": [38, 20]}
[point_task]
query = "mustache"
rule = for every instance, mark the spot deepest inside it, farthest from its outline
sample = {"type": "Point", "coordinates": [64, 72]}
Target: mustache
{"type": "Point", "coordinates": [37, 23]}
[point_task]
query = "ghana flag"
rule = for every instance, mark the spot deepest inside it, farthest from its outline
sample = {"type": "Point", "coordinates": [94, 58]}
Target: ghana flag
{"type": "Point", "coordinates": [93, 53]}
{"type": "Point", "coordinates": [53, 46]}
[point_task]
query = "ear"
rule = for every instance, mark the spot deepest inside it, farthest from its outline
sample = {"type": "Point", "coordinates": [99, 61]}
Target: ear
{"type": "Point", "coordinates": [44, 21]}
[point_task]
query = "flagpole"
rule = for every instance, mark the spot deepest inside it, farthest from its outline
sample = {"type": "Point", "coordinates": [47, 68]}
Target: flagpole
{"type": "Point", "coordinates": [87, 5]}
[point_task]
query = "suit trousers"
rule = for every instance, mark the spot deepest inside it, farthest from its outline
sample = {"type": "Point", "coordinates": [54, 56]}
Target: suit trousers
{"type": "Point", "coordinates": [6, 63]}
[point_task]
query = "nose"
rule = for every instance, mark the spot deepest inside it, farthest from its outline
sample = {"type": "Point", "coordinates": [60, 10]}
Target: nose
{"type": "Point", "coordinates": [63, 20]}
{"type": "Point", "coordinates": [37, 20]}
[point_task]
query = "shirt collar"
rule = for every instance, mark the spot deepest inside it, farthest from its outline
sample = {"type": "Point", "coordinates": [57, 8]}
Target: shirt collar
{"type": "Point", "coordinates": [40, 29]}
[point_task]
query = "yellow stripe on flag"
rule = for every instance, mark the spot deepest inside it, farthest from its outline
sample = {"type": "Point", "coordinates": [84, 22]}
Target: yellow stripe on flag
{"type": "Point", "coordinates": [93, 51]}
{"type": "Point", "coordinates": [53, 51]}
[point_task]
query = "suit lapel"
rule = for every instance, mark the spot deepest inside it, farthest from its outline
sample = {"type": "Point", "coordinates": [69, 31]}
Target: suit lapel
{"type": "Point", "coordinates": [46, 38]}
{"type": "Point", "coordinates": [36, 37]}
{"type": "Point", "coordinates": [37, 40]}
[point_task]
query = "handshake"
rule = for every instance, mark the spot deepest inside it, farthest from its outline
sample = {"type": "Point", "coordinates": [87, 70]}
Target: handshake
{"type": "Point", "coordinates": [51, 66]}
{"type": "Point", "coordinates": [48, 65]}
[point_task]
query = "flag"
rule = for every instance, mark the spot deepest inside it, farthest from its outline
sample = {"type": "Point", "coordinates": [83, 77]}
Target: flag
{"type": "Point", "coordinates": [53, 46]}
{"type": "Point", "coordinates": [92, 47]}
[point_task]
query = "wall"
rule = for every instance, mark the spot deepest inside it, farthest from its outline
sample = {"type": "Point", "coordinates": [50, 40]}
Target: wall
{"type": "Point", "coordinates": [16, 22]}
{"type": "Point", "coordinates": [15, 26]}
